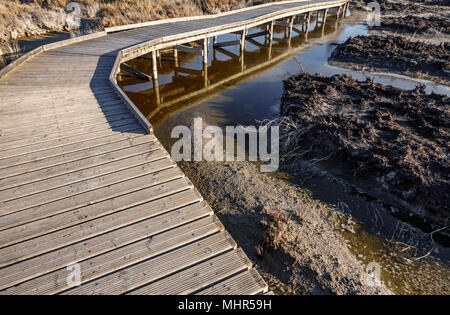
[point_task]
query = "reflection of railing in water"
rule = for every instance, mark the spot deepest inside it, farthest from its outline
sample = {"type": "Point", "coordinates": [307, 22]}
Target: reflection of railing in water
{"type": "Point", "coordinates": [195, 86]}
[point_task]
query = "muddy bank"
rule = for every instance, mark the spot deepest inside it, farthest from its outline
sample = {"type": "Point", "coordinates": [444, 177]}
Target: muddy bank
{"type": "Point", "coordinates": [416, 24]}
{"type": "Point", "coordinates": [395, 54]}
{"type": "Point", "coordinates": [284, 232]}
{"type": "Point", "coordinates": [387, 6]}
{"type": "Point", "coordinates": [392, 143]}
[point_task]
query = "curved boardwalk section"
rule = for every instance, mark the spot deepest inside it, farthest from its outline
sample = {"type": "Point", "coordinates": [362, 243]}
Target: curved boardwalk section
{"type": "Point", "coordinates": [85, 187]}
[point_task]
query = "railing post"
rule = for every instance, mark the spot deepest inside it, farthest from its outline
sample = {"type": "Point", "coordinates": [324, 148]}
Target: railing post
{"type": "Point", "coordinates": [243, 40]}
{"type": "Point", "coordinates": [205, 51]}
{"type": "Point", "coordinates": [324, 20]}
{"type": "Point", "coordinates": [291, 25]}
{"type": "Point", "coordinates": [308, 21]}
{"type": "Point", "coordinates": [271, 32]}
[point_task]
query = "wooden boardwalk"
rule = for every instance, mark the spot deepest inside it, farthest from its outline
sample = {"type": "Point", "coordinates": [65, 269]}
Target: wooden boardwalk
{"type": "Point", "coordinates": [83, 180]}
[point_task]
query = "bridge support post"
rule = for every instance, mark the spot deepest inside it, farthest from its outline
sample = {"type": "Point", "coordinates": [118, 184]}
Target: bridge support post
{"type": "Point", "coordinates": [205, 51]}
{"type": "Point", "coordinates": [175, 57]}
{"type": "Point", "coordinates": [324, 20]}
{"type": "Point", "coordinates": [308, 22]}
{"type": "Point", "coordinates": [155, 65]}
{"type": "Point", "coordinates": [291, 25]}
{"type": "Point", "coordinates": [272, 24]}
{"type": "Point", "coordinates": [243, 40]}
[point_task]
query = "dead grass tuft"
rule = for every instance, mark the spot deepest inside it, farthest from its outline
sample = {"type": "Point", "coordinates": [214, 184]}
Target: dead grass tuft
{"type": "Point", "coordinates": [276, 227]}
{"type": "Point", "coordinates": [9, 51]}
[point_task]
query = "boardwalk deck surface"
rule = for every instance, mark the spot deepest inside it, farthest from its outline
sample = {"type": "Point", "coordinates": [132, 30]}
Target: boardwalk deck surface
{"type": "Point", "coordinates": [81, 181]}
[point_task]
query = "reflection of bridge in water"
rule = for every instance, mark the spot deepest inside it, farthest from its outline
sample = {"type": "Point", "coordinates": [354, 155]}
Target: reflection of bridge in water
{"type": "Point", "coordinates": [188, 86]}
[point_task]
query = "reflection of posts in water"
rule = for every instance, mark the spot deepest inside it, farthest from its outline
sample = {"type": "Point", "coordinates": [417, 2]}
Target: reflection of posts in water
{"type": "Point", "coordinates": [155, 76]}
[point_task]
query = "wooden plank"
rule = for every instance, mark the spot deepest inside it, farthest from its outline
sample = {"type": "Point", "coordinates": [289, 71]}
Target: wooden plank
{"type": "Point", "coordinates": [42, 95]}
{"type": "Point", "coordinates": [248, 282]}
{"type": "Point", "coordinates": [23, 133]}
{"type": "Point", "coordinates": [52, 218]}
{"type": "Point", "coordinates": [254, 42]}
{"type": "Point", "coordinates": [139, 158]}
{"type": "Point", "coordinates": [198, 277]}
{"type": "Point", "coordinates": [7, 153]}
{"type": "Point", "coordinates": [156, 268]}
{"type": "Point", "coordinates": [9, 166]}
{"type": "Point", "coordinates": [227, 53]}
{"type": "Point", "coordinates": [63, 169]}
{"type": "Point", "coordinates": [50, 196]}
{"type": "Point", "coordinates": [133, 223]}
{"type": "Point", "coordinates": [64, 134]}
{"type": "Point", "coordinates": [79, 161]}
{"type": "Point", "coordinates": [52, 126]}
{"type": "Point", "coordinates": [48, 272]}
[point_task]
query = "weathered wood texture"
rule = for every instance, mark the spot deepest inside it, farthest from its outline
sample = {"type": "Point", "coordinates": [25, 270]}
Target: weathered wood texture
{"type": "Point", "coordinates": [83, 180]}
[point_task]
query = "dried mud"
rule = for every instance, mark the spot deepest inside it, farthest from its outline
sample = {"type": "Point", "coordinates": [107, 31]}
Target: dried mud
{"type": "Point", "coordinates": [390, 141]}
{"type": "Point", "coordinates": [416, 24]}
{"type": "Point", "coordinates": [395, 54]}
{"type": "Point", "coordinates": [286, 234]}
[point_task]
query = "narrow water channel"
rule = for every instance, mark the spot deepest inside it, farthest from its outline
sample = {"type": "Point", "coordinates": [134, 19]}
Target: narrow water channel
{"type": "Point", "coordinates": [245, 90]}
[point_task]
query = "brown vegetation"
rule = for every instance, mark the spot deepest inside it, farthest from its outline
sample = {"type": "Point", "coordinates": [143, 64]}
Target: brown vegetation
{"type": "Point", "coordinates": [8, 52]}
{"type": "Point", "coordinates": [22, 18]}
{"type": "Point", "coordinates": [395, 54]}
